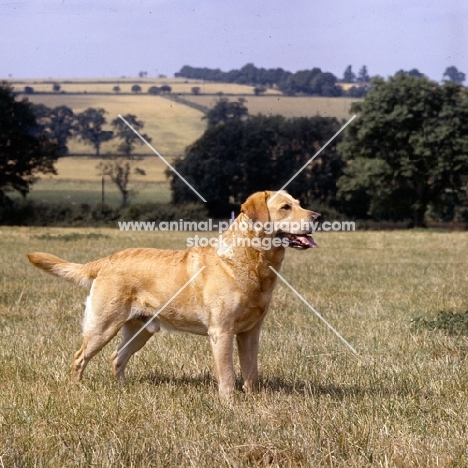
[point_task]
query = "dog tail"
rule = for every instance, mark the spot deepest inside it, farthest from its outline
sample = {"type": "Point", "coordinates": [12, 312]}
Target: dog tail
{"type": "Point", "coordinates": [74, 272]}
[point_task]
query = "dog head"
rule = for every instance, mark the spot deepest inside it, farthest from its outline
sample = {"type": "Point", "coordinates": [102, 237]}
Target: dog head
{"type": "Point", "coordinates": [283, 216]}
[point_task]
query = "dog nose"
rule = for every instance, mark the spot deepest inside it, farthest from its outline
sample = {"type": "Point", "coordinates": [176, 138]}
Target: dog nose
{"type": "Point", "coordinates": [315, 215]}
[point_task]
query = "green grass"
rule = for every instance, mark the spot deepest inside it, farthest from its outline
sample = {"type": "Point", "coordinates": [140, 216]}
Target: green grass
{"type": "Point", "coordinates": [403, 403]}
{"type": "Point", "coordinates": [75, 191]}
{"type": "Point", "coordinates": [79, 181]}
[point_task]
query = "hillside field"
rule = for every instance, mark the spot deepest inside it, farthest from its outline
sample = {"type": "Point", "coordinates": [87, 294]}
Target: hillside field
{"type": "Point", "coordinates": [289, 106]}
{"type": "Point", "coordinates": [403, 402]}
{"type": "Point", "coordinates": [170, 125]}
{"type": "Point", "coordinates": [172, 122]}
{"type": "Point", "coordinates": [104, 86]}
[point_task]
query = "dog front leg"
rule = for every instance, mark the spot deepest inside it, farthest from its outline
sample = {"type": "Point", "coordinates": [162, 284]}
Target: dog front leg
{"type": "Point", "coordinates": [222, 348]}
{"type": "Point", "coordinates": [248, 343]}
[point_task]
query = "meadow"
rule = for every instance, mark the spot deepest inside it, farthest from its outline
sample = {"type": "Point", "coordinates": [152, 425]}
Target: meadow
{"type": "Point", "coordinates": [403, 402]}
{"type": "Point", "coordinates": [78, 180]}
{"type": "Point", "coordinates": [171, 122]}
{"type": "Point", "coordinates": [178, 86]}
{"type": "Point", "coordinates": [170, 125]}
{"type": "Point", "coordinates": [288, 106]}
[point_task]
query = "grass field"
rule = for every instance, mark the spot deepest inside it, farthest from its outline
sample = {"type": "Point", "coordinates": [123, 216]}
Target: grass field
{"type": "Point", "coordinates": [79, 181]}
{"type": "Point", "coordinates": [178, 85]}
{"type": "Point", "coordinates": [403, 403]}
{"type": "Point", "coordinates": [171, 126]}
{"type": "Point", "coordinates": [288, 106]}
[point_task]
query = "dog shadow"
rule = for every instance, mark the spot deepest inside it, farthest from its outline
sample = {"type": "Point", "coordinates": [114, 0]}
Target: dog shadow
{"type": "Point", "coordinates": [278, 385]}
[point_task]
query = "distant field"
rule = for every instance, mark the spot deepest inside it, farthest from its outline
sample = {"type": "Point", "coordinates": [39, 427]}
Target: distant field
{"type": "Point", "coordinates": [106, 86]}
{"type": "Point", "coordinates": [79, 181]}
{"type": "Point", "coordinates": [300, 106]}
{"type": "Point", "coordinates": [77, 191]}
{"type": "Point", "coordinates": [172, 126]}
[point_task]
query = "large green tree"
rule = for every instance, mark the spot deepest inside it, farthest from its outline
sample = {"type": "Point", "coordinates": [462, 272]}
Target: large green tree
{"type": "Point", "coordinates": [232, 160]}
{"type": "Point", "coordinates": [407, 151]}
{"type": "Point", "coordinates": [24, 151]}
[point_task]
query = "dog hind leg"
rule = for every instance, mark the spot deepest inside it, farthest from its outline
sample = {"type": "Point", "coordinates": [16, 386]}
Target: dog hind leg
{"type": "Point", "coordinates": [102, 321]}
{"type": "Point", "coordinates": [134, 337]}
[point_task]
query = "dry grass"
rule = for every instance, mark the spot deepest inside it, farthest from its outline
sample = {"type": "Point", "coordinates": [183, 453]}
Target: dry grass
{"type": "Point", "coordinates": [404, 403]}
{"type": "Point", "coordinates": [178, 85]}
{"type": "Point", "coordinates": [171, 126]}
{"type": "Point", "coordinates": [301, 106]}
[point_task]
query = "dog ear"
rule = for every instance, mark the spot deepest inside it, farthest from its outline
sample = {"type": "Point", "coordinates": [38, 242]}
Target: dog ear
{"type": "Point", "coordinates": [255, 207]}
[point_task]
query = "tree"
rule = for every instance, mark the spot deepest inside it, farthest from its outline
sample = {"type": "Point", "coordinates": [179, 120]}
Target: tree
{"type": "Point", "coordinates": [363, 75]}
{"type": "Point", "coordinates": [127, 136]}
{"type": "Point", "coordinates": [407, 150]}
{"type": "Point", "coordinates": [24, 151]}
{"type": "Point", "coordinates": [413, 72]}
{"type": "Point", "coordinates": [136, 89]}
{"type": "Point", "coordinates": [143, 74]}
{"type": "Point", "coordinates": [57, 124]}
{"type": "Point", "coordinates": [313, 82]}
{"type": "Point", "coordinates": [259, 90]}
{"type": "Point", "coordinates": [90, 128]}
{"type": "Point", "coordinates": [154, 90]}
{"type": "Point", "coordinates": [357, 91]}
{"type": "Point", "coordinates": [119, 171]}
{"type": "Point", "coordinates": [348, 75]}
{"type": "Point", "coordinates": [454, 75]}
{"type": "Point", "coordinates": [165, 89]}
{"type": "Point", "coordinates": [225, 111]}
{"type": "Point", "coordinates": [239, 157]}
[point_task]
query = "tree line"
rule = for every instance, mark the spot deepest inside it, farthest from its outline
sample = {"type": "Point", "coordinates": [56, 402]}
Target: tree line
{"type": "Point", "coordinates": [404, 158]}
{"type": "Point", "coordinates": [136, 89]}
{"type": "Point", "coordinates": [34, 136]}
{"type": "Point", "coordinates": [312, 82]}
{"type": "Point", "coordinates": [305, 82]}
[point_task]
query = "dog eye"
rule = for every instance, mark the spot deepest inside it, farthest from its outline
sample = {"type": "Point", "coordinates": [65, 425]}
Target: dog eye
{"type": "Point", "coordinates": [286, 207]}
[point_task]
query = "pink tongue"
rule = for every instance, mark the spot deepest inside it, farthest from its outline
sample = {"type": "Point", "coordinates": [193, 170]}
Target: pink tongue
{"type": "Point", "coordinates": [307, 240]}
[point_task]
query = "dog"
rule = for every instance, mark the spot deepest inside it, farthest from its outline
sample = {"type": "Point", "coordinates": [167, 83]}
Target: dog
{"type": "Point", "coordinates": [141, 290]}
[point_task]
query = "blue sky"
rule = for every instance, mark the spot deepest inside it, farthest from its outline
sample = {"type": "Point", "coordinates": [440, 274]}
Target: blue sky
{"type": "Point", "coordinates": [83, 38]}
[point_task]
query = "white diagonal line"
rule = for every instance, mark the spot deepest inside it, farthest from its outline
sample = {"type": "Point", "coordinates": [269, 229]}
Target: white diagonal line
{"type": "Point", "coordinates": [161, 309]}
{"type": "Point", "coordinates": [164, 160]}
{"type": "Point", "coordinates": [316, 313]}
{"type": "Point", "coordinates": [315, 155]}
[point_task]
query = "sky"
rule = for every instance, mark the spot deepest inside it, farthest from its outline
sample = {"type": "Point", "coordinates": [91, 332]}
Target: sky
{"type": "Point", "coordinates": [111, 39]}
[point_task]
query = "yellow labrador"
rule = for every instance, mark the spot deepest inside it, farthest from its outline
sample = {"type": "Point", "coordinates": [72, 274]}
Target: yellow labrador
{"type": "Point", "coordinates": [229, 297]}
